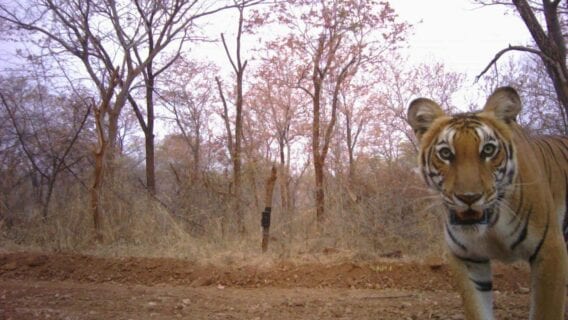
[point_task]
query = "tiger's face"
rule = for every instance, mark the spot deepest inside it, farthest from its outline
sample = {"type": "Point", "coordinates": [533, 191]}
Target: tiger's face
{"type": "Point", "coordinates": [468, 158]}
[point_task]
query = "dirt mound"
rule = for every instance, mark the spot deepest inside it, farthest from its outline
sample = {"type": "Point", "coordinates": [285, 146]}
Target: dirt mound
{"type": "Point", "coordinates": [71, 286]}
{"type": "Point", "coordinates": [151, 271]}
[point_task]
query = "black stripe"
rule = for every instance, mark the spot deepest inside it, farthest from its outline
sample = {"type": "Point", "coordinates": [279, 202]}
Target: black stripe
{"type": "Point", "coordinates": [453, 238]}
{"type": "Point", "coordinates": [535, 253]}
{"type": "Point", "coordinates": [483, 286]}
{"type": "Point", "coordinates": [523, 235]}
{"type": "Point", "coordinates": [472, 260]}
{"type": "Point", "coordinates": [510, 151]}
{"type": "Point", "coordinates": [522, 217]}
{"type": "Point", "coordinates": [520, 206]}
{"type": "Point", "coordinates": [495, 215]}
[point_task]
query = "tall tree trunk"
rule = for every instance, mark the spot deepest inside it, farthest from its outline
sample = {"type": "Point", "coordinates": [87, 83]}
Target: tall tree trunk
{"type": "Point", "coordinates": [265, 221]}
{"type": "Point", "coordinates": [284, 179]}
{"type": "Point", "coordinates": [237, 154]}
{"type": "Point", "coordinates": [239, 69]}
{"type": "Point", "coordinates": [102, 153]}
{"type": "Point", "coordinates": [319, 159]}
{"type": "Point", "coordinates": [98, 172]}
{"type": "Point", "coordinates": [320, 194]}
{"type": "Point", "coordinates": [350, 146]}
{"type": "Point", "coordinates": [551, 44]}
{"type": "Point", "coordinates": [149, 132]}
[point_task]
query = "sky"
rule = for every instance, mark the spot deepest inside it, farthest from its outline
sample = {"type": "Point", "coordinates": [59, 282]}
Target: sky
{"type": "Point", "coordinates": [459, 33]}
{"type": "Point", "coordinates": [463, 35]}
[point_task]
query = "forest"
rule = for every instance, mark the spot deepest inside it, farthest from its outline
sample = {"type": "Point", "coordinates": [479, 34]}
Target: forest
{"type": "Point", "coordinates": [119, 135]}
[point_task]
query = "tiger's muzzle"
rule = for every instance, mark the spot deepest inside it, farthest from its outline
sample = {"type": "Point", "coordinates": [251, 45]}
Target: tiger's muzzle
{"type": "Point", "coordinates": [469, 217]}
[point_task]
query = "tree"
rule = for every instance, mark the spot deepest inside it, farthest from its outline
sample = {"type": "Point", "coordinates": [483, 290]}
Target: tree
{"type": "Point", "coordinates": [357, 108]}
{"type": "Point", "coordinates": [115, 42]}
{"type": "Point", "coordinates": [188, 93]}
{"type": "Point", "coordinates": [547, 23]}
{"type": "Point", "coordinates": [540, 103]}
{"type": "Point", "coordinates": [156, 27]}
{"type": "Point", "coordinates": [334, 40]}
{"type": "Point", "coordinates": [235, 140]}
{"type": "Point", "coordinates": [278, 111]}
{"type": "Point", "coordinates": [47, 128]}
{"type": "Point", "coordinates": [400, 82]}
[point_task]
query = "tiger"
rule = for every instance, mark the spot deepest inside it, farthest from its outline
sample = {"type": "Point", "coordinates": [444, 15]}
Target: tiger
{"type": "Point", "coordinates": [503, 196]}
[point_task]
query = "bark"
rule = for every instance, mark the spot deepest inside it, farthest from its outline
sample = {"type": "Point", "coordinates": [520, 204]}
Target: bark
{"type": "Point", "coordinates": [265, 222]}
{"type": "Point", "coordinates": [551, 44]}
{"type": "Point", "coordinates": [96, 189]}
{"type": "Point", "coordinates": [101, 153]}
{"type": "Point", "coordinates": [239, 69]}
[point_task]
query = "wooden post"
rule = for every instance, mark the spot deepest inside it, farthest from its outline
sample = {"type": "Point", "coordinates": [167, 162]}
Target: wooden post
{"type": "Point", "coordinates": [265, 221]}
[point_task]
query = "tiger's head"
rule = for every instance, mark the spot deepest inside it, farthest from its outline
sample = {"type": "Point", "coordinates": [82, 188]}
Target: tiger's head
{"type": "Point", "coordinates": [469, 158]}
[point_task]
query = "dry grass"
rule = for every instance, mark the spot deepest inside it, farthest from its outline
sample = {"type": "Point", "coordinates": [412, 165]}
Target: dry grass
{"type": "Point", "coordinates": [380, 212]}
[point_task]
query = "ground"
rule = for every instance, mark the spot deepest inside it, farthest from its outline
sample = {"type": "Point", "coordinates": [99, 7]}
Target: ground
{"type": "Point", "coordinates": [72, 286]}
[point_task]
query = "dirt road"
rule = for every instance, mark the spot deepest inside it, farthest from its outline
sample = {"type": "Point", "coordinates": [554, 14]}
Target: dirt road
{"type": "Point", "coordinates": [66, 286]}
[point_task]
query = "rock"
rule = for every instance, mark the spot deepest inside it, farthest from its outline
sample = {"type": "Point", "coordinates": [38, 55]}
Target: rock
{"type": "Point", "coordinates": [201, 282]}
{"type": "Point", "coordinates": [524, 290]}
{"type": "Point", "coordinates": [36, 261]}
{"type": "Point", "coordinates": [10, 266]}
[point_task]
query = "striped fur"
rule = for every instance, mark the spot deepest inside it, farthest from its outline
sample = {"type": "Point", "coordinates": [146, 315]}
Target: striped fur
{"type": "Point", "coordinates": [504, 196]}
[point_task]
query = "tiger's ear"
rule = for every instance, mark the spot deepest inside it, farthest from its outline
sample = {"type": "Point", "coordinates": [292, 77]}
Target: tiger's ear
{"type": "Point", "coordinates": [421, 114]}
{"type": "Point", "coordinates": [504, 104]}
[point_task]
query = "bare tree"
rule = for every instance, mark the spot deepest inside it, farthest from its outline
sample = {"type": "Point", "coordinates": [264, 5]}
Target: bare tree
{"type": "Point", "coordinates": [235, 140]}
{"type": "Point", "coordinates": [188, 93]}
{"type": "Point", "coordinates": [115, 43]}
{"type": "Point", "coordinates": [276, 102]}
{"type": "Point", "coordinates": [334, 41]}
{"type": "Point", "coordinates": [401, 81]}
{"type": "Point", "coordinates": [547, 23]}
{"type": "Point", "coordinates": [155, 28]}
{"type": "Point", "coordinates": [540, 102]}
{"type": "Point", "coordinates": [46, 144]}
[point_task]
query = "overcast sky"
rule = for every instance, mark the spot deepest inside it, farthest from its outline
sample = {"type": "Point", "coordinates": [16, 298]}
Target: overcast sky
{"type": "Point", "coordinates": [463, 35]}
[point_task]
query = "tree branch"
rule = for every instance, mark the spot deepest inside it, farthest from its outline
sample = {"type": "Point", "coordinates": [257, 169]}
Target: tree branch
{"type": "Point", "coordinates": [499, 54]}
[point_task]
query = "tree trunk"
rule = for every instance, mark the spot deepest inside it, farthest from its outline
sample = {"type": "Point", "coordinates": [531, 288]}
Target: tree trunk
{"type": "Point", "coordinates": [96, 189]}
{"type": "Point", "coordinates": [284, 179]}
{"type": "Point", "coordinates": [103, 154]}
{"type": "Point", "coordinates": [319, 159]}
{"type": "Point", "coordinates": [265, 221]}
{"type": "Point", "coordinates": [350, 147]}
{"type": "Point", "coordinates": [551, 44]}
{"type": "Point", "coordinates": [239, 69]}
{"type": "Point", "coordinates": [149, 132]}
{"type": "Point", "coordinates": [320, 195]}
{"type": "Point", "coordinates": [237, 154]}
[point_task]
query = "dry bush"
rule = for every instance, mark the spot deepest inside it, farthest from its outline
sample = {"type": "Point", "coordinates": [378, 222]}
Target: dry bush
{"type": "Point", "coordinates": [380, 211]}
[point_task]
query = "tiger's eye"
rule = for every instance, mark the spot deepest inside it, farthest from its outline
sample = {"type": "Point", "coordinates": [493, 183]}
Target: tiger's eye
{"type": "Point", "coordinates": [488, 150]}
{"type": "Point", "coordinates": [445, 154]}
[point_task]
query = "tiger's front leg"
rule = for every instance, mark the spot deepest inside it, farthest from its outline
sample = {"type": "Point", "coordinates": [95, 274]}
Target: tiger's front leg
{"type": "Point", "coordinates": [548, 279]}
{"type": "Point", "coordinates": [476, 287]}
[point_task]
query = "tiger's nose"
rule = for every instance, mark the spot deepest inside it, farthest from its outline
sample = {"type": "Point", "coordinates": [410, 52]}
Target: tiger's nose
{"type": "Point", "coordinates": [469, 198]}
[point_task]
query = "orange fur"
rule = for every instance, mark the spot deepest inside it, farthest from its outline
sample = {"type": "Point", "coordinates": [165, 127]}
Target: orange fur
{"type": "Point", "coordinates": [504, 197]}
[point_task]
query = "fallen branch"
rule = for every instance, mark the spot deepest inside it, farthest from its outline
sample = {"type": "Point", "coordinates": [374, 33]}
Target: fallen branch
{"type": "Point", "coordinates": [392, 296]}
